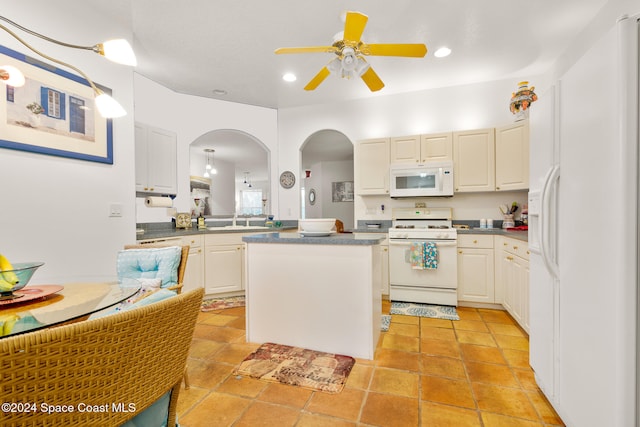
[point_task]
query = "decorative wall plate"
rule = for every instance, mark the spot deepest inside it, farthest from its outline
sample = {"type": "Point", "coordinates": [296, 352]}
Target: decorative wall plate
{"type": "Point", "coordinates": [287, 179]}
{"type": "Point", "coordinates": [183, 220]}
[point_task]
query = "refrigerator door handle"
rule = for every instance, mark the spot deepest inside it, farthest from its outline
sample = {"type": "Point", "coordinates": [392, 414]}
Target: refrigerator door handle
{"type": "Point", "coordinates": [547, 214]}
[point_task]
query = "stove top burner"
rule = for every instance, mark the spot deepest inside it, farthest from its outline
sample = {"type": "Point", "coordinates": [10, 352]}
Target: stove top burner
{"type": "Point", "coordinates": [442, 227]}
{"type": "Point", "coordinates": [402, 226]}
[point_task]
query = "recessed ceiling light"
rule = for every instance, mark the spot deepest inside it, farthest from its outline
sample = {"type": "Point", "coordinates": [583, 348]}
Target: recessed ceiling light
{"type": "Point", "coordinates": [219, 92]}
{"type": "Point", "coordinates": [442, 52]}
{"type": "Point", "coordinates": [289, 77]}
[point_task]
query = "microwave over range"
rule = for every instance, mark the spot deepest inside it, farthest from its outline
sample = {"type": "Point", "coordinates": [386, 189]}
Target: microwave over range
{"type": "Point", "coordinates": [429, 179]}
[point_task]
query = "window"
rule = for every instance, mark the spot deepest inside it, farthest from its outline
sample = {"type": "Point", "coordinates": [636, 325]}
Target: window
{"type": "Point", "coordinates": [11, 93]}
{"type": "Point", "coordinates": [251, 202]}
{"type": "Point", "coordinates": [53, 102]}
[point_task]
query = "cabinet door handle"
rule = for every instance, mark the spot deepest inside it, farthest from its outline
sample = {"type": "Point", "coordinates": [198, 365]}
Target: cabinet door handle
{"type": "Point", "coordinates": [497, 188]}
{"type": "Point", "coordinates": [510, 258]}
{"type": "Point", "coordinates": [505, 244]}
{"type": "Point", "coordinates": [515, 248]}
{"type": "Point", "coordinates": [459, 252]}
{"type": "Point", "coordinates": [475, 241]}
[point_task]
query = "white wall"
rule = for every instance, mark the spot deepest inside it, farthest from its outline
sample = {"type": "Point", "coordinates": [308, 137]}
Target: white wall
{"type": "Point", "coordinates": [323, 174]}
{"type": "Point", "coordinates": [56, 209]}
{"type": "Point", "coordinates": [191, 117]}
{"type": "Point", "coordinates": [447, 109]}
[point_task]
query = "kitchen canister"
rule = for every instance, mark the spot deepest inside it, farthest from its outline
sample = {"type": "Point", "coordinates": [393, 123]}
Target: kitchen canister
{"type": "Point", "coordinates": [507, 221]}
{"type": "Point", "coordinates": [483, 223]}
{"type": "Point", "coordinates": [489, 223]}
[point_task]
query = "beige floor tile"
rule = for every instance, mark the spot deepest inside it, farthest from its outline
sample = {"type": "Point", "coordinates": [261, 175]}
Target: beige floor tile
{"type": "Point", "coordinates": [435, 347]}
{"type": "Point", "coordinates": [443, 367]}
{"type": "Point", "coordinates": [480, 353]}
{"type": "Point", "coordinates": [314, 420]}
{"type": "Point", "coordinates": [398, 359]}
{"type": "Point", "coordinates": [503, 329]}
{"type": "Point", "coordinates": [390, 411]}
{"type": "Point", "coordinates": [511, 342]}
{"type": "Point", "coordinates": [404, 329]}
{"type": "Point", "coordinates": [395, 381]}
{"type": "Point", "coordinates": [468, 313]}
{"type": "Point", "coordinates": [238, 323]}
{"type": "Point", "coordinates": [217, 409]}
{"type": "Point", "coordinates": [242, 386]}
{"type": "Point", "coordinates": [287, 395]}
{"type": "Point", "coordinates": [360, 376]}
{"type": "Point", "coordinates": [345, 405]}
{"type": "Point", "coordinates": [436, 323]}
{"type": "Point", "coordinates": [496, 420]}
{"type": "Point", "coordinates": [504, 401]}
{"type": "Point", "coordinates": [448, 391]}
{"type": "Point", "coordinates": [496, 316]}
{"type": "Point", "coordinates": [267, 414]}
{"type": "Point", "coordinates": [489, 373]}
{"type": "Point", "coordinates": [204, 349]}
{"type": "Point", "coordinates": [406, 320]}
{"type": "Point", "coordinates": [188, 398]}
{"type": "Point", "coordinates": [470, 325]}
{"type": "Point", "coordinates": [437, 333]}
{"type": "Point", "coordinates": [477, 338]}
{"type": "Point", "coordinates": [436, 415]}
{"type": "Point", "coordinates": [218, 320]}
{"type": "Point", "coordinates": [234, 353]}
{"type": "Point", "coordinates": [516, 358]}
{"type": "Point", "coordinates": [401, 342]}
{"type": "Point", "coordinates": [217, 333]}
{"type": "Point", "coordinates": [526, 379]}
{"type": "Point", "coordinates": [208, 374]}
{"type": "Point", "coordinates": [544, 408]}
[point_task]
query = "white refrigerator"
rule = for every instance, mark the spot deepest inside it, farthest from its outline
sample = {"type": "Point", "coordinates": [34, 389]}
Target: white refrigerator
{"type": "Point", "coordinates": [583, 235]}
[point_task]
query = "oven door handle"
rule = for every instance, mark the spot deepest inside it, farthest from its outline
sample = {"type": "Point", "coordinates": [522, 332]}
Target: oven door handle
{"type": "Point", "coordinates": [410, 242]}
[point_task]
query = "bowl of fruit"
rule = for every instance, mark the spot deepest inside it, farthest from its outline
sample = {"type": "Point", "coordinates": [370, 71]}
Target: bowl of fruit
{"type": "Point", "coordinates": [14, 277]}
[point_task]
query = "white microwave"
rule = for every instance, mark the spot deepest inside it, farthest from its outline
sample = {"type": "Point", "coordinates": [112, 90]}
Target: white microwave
{"type": "Point", "coordinates": [430, 179]}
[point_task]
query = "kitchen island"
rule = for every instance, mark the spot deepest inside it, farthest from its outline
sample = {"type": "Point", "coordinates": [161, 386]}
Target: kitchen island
{"type": "Point", "coordinates": [319, 293]}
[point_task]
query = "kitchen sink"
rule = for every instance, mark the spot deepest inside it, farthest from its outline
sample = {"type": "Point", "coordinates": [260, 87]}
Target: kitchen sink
{"type": "Point", "coordinates": [239, 227]}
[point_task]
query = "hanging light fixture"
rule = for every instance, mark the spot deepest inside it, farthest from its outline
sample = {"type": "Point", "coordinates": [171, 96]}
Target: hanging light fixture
{"type": "Point", "coordinates": [118, 51]}
{"type": "Point", "coordinates": [210, 167]}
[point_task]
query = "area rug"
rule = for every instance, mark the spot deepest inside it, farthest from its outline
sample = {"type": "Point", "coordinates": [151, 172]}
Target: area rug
{"type": "Point", "coordinates": [386, 321]}
{"type": "Point", "coordinates": [296, 366]}
{"type": "Point", "coordinates": [222, 303]}
{"type": "Point", "coordinates": [424, 310]}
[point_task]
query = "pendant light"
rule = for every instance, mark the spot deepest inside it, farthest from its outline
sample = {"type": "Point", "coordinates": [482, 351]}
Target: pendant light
{"type": "Point", "coordinates": [210, 167]}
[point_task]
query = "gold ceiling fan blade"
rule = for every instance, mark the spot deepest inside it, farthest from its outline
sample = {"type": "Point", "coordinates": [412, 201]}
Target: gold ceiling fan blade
{"type": "Point", "coordinates": [319, 78]}
{"type": "Point", "coordinates": [309, 49]}
{"type": "Point", "coordinates": [354, 26]}
{"type": "Point", "coordinates": [372, 80]}
{"type": "Point", "coordinates": [411, 50]}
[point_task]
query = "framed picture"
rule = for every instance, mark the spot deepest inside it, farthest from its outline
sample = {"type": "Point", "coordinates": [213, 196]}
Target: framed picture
{"type": "Point", "coordinates": [53, 113]}
{"type": "Point", "coordinates": [342, 191]}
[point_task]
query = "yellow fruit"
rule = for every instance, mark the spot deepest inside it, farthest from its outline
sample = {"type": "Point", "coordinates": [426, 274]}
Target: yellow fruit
{"type": "Point", "coordinates": [5, 268]}
{"type": "Point", "coordinates": [7, 322]}
{"type": "Point", "coordinates": [5, 286]}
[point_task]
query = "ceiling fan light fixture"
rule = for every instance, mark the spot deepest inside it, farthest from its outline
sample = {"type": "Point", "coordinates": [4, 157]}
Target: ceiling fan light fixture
{"type": "Point", "coordinates": [442, 52]}
{"type": "Point", "coordinates": [11, 76]}
{"type": "Point", "coordinates": [118, 51]}
{"type": "Point", "coordinates": [289, 77]}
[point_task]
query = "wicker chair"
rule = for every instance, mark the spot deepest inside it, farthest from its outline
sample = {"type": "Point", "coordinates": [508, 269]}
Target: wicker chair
{"type": "Point", "coordinates": [181, 267]}
{"type": "Point", "coordinates": [121, 363]}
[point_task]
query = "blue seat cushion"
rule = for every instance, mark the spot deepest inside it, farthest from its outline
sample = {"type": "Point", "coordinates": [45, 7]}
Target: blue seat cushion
{"type": "Point", "coordinates": [150, 263]}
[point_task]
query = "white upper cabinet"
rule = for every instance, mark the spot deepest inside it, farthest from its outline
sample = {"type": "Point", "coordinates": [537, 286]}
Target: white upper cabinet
{"type": "Point", "coordinates": [371, 167]}
{"type": "Point", "coordinates": [474, 160]}
{"type": "Point", "coordinates": [436, 146]}
{"type": "Point", "coordinates": [512, 157]}
{"type": "Point", "coordinates": [155, 160]}
{"type": "Point", "coordinates": [422, 148]}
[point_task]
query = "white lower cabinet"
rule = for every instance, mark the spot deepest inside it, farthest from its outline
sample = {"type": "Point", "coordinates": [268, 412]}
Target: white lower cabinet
{"type": "Point", "coordinates": [512, 262]}
{"type": "Point", "coordinates": [382, 258]}
{"type": "Point", "coordinates": [476, 268]}
{"type": "Point", "coordinates": [194, 273]}
{"type": "Point", "coordinates": [224, 263]}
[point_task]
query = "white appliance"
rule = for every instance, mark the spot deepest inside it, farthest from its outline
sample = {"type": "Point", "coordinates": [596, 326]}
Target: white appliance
{"type": "Point", "coordinates": [583, 235]}
{"type": "Point", "coordinates": [411, 227]}
{"type": "Point", "coordinates": [421, 180]}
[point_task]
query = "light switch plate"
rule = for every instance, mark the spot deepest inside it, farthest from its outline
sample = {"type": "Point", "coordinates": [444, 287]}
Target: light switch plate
{"type": "Point", "coordinates": [115, 210]}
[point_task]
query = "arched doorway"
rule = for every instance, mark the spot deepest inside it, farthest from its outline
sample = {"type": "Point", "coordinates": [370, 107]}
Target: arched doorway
{"type": "Point", "coordinates": [241, 184]}
{"type": "Point", "coordinates": [327, 192]}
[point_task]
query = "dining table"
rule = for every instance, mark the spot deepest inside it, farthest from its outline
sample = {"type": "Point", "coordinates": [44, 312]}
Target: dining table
{"type": "Point", "coordinates": [45, 306]}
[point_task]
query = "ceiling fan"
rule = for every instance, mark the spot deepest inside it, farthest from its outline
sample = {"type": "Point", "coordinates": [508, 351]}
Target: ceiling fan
{"type": "Point", "coordinates": [350, 52]}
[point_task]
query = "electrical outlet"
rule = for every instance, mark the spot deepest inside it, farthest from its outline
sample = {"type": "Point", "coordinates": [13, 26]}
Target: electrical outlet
{"type": "Point", "coordinates": [115, 210]}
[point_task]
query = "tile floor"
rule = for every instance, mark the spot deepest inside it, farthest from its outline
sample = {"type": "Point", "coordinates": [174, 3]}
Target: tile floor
{"type": "Point", "coordinates": [426, 372]}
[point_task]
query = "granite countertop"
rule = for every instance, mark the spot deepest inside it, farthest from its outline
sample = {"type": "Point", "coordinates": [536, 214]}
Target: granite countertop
{"type": "Point", "coordinates": [515, 234]}
{"type": "Point", "coordinates": [167, 233]}
{"type": "Point", "coordinates": [297, 238]}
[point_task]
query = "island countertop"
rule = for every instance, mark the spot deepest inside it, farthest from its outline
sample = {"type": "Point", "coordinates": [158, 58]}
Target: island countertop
{"type": "Point", "coordinates": [298, 238]}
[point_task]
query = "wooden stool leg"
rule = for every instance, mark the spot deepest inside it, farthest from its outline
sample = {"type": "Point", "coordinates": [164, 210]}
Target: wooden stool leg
{"type": "Point", "coordinates": [186, 379]}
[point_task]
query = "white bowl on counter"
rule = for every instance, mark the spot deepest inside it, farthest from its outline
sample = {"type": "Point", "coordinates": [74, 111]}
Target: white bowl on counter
{"type": "Point", "coordinates": [317, 224]}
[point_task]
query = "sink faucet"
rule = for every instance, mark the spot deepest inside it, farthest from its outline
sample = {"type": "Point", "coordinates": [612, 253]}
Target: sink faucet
{"type": "Point", "coordinates": [247, 223]}
{"type": "Point", "coordinates": [235, 219]}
